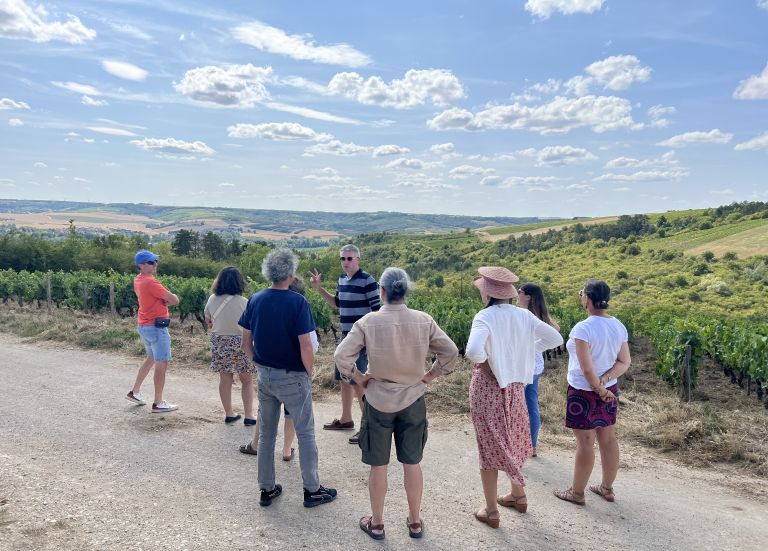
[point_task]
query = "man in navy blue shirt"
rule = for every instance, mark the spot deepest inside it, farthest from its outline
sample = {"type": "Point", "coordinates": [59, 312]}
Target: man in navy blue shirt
{"type": "Point", "coordinates": [277, 324]}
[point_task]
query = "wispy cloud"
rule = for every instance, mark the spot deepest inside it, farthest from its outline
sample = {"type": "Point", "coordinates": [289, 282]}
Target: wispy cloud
{"type": "Point", "coordinates": [7, 103]}
{"type": "Point", "coordinates": [77, 88]}
{"type": "Point", "coordinates": [467, 171]}
{"type": "Point", "coordinates": [755, 87]}
{"type": "Point", "coordinates": [277, 131]}
{"type": "Point", "coordinates": [277, 41]}
{"type": "Point", "coordinates": [698, 137]}
{"type": "Point", "coordinates": [172, 146]}
{"type": "Point", "coordinates": [310, 113]}
{"type": "Point", "coordinates": [755, 144]}
{"type": "Point", "coordinates": [338, 148]}
{"type": "Point", "coordinates": [111, 131]}
{"type": "Point", "coordinates": [124, 70]}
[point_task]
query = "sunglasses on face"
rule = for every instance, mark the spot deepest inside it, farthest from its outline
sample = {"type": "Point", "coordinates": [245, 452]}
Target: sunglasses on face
{"type": "Point", "coordinates": [150, 262]}
{"type": "Point", "coordinates": [581, 292]}
{"type": "Point", "coordinates": [347, 258]}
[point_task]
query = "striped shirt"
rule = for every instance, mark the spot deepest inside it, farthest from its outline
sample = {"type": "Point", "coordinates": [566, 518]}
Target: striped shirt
{"type": "Point", "coordinates": [355, 297]}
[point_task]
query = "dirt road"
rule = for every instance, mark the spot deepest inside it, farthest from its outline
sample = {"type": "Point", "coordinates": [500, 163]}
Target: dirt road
{"type": "Point", "coordinates": [81, 468]}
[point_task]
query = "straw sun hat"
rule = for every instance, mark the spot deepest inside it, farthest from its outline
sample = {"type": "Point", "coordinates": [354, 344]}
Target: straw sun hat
{"type": "Point", "coordinates": [496, 282]}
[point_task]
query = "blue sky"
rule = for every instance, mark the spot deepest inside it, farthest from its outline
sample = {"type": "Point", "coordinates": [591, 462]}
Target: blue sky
{"type": "Point", "coordinates": [517, 108]}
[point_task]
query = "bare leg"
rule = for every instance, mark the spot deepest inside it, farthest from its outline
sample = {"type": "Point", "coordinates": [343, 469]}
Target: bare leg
{"type": "Point", "coordinates": [159, 378]}
{"type": "Point", "coordinates": [289, 433]}
{"type": "Point", "coordinates": [377, 487]}
{"type": "Point", "coordinates": [347, 393]}
{"type": "Point", "coordinates": [359, 392]}
{"type": "Point", "coordinates": [225, 392]}
{"type": "Point", "coordinates": [609, 454]}
{"type": "Point", "coordinates": [490, 482]}
{"type": "Point", "coordinates": [516, 494]}
{"type": "Point", "coordinates": [142, 374]}
{"type": "Point", "coordinates": [246, 381]}
{"type": "Point", "coordinates": [585, 459]}
{"type": "Point", "coordinates": [413, 480]}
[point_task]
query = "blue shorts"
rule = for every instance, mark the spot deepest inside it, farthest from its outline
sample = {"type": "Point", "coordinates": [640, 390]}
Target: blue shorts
{"type": "Point", "coordinates": [157, 342]}
{"type": "Point", "coordinates": [361, 363]}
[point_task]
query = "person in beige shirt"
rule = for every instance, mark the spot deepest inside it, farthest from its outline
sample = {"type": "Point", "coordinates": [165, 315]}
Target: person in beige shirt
{"type": "Point", "coordinates": [398, 341]}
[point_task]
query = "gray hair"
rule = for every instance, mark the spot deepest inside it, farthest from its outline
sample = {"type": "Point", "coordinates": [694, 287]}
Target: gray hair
{"type": "Point", "coordinates": [396, 283]}
{"type": "Point", "coordinates": [279, 265]}
{"type": "Point", "coordinates": [351, 248]}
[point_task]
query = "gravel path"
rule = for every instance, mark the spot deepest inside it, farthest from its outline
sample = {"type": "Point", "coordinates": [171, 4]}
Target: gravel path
{"type": "Point", "coordinates": [81, 468]}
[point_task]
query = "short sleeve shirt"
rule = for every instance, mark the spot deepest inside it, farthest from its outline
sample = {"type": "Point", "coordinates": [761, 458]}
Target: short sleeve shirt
{"type": "Point", "coordinates": [355, 297]}
{"type": "Point", "coordinates": [150, 293]}
{"type": "Point", "coordinates": [605, 336]}
{"type": "Point", "coordinates": [275, 319]}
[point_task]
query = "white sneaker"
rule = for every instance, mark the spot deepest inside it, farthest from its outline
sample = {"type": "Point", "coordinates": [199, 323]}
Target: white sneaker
{"type": "Point", "coordinates": [135, 398]}
{"type": "Point", "coordinates": [164, 407]}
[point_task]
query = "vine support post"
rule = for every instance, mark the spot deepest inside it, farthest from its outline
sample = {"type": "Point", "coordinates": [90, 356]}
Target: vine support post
{"type": "Point", "coordinates": [48, 298]}
{"type": "Point", "coordinates": [687, 374]}
{"type": "Point", "coordinates": [112, 298]}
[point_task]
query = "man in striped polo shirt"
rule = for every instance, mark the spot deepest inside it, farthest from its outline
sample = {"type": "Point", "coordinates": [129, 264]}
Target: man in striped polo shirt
{"type": "Point", "coordinates": [357, 294]}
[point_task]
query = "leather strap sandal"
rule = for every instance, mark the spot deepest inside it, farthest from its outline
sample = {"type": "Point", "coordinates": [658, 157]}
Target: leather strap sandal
{"type": "Point", "coordinates": [415, 529]}
{"type": "Point", "coordinates": [491, 518]}
{"type": "Point", "coordinates": [514, 502]}
{"type": "Point", "coordinates": [570, 495]}
{"type": "Point", "coordinates": [606, 493]}
{"type": "Point", "coordinates": [367, 527]}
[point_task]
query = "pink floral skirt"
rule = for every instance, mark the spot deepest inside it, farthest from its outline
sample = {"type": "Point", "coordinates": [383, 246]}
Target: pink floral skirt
{"type": "Point", "coordinates": [502, 428]}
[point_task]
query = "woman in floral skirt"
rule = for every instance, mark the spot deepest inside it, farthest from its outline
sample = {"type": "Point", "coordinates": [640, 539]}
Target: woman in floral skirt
{"type": "Point", "coordinates": [502, 344]}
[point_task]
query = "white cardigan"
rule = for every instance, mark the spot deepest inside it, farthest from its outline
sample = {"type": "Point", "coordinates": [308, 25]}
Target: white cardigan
{"type": "Point", "coordinates": [509, 337]}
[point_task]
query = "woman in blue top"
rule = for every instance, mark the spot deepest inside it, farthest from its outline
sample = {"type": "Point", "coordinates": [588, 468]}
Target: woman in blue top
{"type": "Point", "coordinates": [598, 354]}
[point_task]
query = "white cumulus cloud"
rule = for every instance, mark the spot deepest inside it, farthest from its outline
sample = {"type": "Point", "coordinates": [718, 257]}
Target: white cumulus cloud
{"type": "Point", "coordinates": [15, 122]}
{"type": "Point", "coordinates": [688, 138]}
{"type": "Point", "coordinates": [759, 142]}
{"type": "Point", "coordinates": [442, 149]}
{"type": "Point", "coordinates": [19, 21]}
{"type": "Point", "coordinates": [277, 131]}
{"type": "Point", "coordinates": [227, 86]}
{"type": "Point", "coordinates": [277, 41]}
{"type": "Point", "coordinates": [7, 103]}
{"type": "Point", "coordinates": [338, 148]}
{"type": "Point", "coordinates": [755, 87]}
{"type": "Point", "coordinates": [667, 159]}
{"type": "Point", "coordinates": [439, 86]}
{"type": "Point", "coordinates": [533, 183]}
{"type": "Point", "coordinates": [559, 155]}
{"type": "Point", "coordinates": [559, 116]}
{"type": "Point", "coordinates": [124, 70]}
{"type": "Point", "coordinates": [390, 149]}
{"type": "Point", "coordinates": [404, 162]}
{"type": "Point", "coordinates": [545, 8]}
{"type": "Point", "coordinates": [671, 175]}
{"type": "Point", "coordinates": [618, 72]}
{"type": "Point", "coordinates": [173, 146]}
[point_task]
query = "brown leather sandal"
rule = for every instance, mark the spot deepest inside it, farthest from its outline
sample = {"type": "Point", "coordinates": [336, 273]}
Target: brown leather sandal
{"type": "Point", "coordinates": [570, 495]}
{"type": "Point", "coordinates": [513, 502]}
{"type": "Point", "coordinates": [606, 493]}
{"type": "Point", "coordinates": [368, 528]}
{"type": "Point", "coordinates": [415, 529]}
{"type": "Point", "coordinates": [484, 516]}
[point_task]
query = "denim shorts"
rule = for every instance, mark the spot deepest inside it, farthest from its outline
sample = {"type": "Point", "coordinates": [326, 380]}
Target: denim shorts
{"type": "Point", "coordinates": [157, 342]}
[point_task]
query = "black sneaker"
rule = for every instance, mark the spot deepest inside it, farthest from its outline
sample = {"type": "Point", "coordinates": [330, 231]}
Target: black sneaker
{"type": "Point", "coordinates": [321, 496]}
{"type": "Point", "coordinates": [268, 495]}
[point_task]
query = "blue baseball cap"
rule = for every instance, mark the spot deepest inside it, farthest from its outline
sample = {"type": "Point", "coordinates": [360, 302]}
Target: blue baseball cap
{"type": "Point", "coordinates": [144, 256]}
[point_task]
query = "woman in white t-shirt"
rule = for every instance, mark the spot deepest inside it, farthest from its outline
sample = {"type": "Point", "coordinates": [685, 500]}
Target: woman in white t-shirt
{"type": "Point", "coordinates": [598, 354]}
{"type": "Point", "coordinates": [502, 344]}
{"type": "Point", "coordinates": [531, 297]}
{"type": "Point", "coordinates": [222, 312]}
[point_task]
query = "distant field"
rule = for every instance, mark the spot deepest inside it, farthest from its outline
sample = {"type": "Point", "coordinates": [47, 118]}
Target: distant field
{"type": "Point", "coordinates": [496, 234]}
{"type": "Point", "coordinates": [747, 238]}
{"type": "Point", "coordinates": [525, 227]}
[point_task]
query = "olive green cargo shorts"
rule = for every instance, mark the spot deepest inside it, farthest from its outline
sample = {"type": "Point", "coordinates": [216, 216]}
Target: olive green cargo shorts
{"type": "Point", "coordinates": [409, 427]}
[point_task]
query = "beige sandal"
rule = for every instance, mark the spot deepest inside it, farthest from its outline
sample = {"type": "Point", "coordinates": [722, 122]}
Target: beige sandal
{"type": "Point", "coordinates": [514, 502]}
{"type": "Point", "coordinates": [570, 495]}
{"type": "Point", "coordinates": [606, 493]}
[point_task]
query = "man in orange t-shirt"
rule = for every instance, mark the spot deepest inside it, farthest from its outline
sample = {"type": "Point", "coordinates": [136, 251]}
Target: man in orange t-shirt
{"type": "Point", "coordinates": [153, 318]}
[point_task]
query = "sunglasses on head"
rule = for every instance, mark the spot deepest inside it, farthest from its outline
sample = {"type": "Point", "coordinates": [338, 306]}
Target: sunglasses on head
{"type": "Point", "coordinates": [347, 258]}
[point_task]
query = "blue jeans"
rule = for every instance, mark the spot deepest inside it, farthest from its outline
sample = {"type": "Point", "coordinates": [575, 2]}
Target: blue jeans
{"type": "Point", "coordinates": [532, 401]}
{"type": "Point", "coordinates": [293, 389]}
{"type": "Point", "coordinates": [157, 342]}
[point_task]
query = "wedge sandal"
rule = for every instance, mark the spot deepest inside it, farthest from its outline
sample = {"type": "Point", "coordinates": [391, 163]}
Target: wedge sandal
{"type": "Point", "coordinates": [484, 516]}
{"type": "Point", "coordinates": [513, 502]}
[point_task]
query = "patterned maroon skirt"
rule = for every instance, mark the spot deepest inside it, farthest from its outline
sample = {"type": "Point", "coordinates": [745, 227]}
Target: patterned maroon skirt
{"type": "Point", "coordinates": [228, 357]}
{"type": "Point", "coordinates": [502, 428]}
{"type": "Point", "coordinates": [584, 410]}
